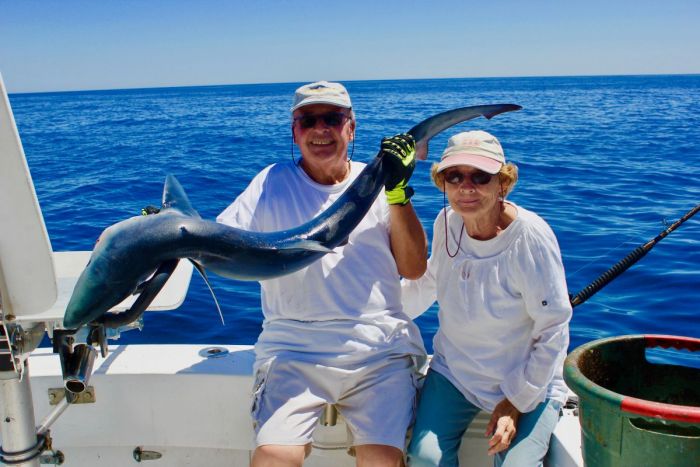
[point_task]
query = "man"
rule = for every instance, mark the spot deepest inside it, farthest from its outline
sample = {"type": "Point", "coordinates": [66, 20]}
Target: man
{"type": "Point", "coordinates": [334, 332]}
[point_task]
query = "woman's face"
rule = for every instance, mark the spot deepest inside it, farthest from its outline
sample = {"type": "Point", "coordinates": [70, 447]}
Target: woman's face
{"type": "Point", "coordinates": [471, 192]}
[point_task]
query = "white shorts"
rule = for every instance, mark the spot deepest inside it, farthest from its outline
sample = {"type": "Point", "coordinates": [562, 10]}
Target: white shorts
{"type": "Point", "coordinates": [377, 401]}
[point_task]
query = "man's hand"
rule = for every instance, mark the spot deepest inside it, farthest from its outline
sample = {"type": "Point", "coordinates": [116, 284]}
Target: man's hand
{"type": "Point", "coordinates": [400, 160]}
{"type": "Point", "coordinates": [502, 426]}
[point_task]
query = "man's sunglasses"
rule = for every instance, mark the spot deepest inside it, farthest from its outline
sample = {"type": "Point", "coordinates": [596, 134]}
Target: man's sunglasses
{"type": "Point", "coordinates": [333, 119]}
{"type": "Point", "coordinates": [455, 177]}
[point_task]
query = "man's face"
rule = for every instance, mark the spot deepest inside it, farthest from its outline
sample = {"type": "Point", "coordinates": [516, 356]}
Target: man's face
{"type": "Point", "coordinates": [323, 133]}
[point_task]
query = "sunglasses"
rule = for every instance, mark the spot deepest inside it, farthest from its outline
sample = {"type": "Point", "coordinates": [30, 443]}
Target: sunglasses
{"type": "Point", "coordinates": [455, 177]}
{"type": "Point", "coordinates": [332, 119]}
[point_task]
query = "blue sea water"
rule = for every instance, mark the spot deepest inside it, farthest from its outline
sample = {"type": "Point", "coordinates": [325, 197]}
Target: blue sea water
{"type": "Point", "coordinates": [607, 161]}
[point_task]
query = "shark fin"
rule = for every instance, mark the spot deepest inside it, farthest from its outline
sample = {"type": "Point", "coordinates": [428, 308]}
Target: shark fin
{"type": "Point", "coordinates": [140, 288]}
{"type": "Point", "coordinates": [308, 245]}
{"type": "Point", "coordinates": [144, 284]}
{"type": "Point", "coordinates": [174, 197]}
{"type": "Point", "coordinates": [203, 273]}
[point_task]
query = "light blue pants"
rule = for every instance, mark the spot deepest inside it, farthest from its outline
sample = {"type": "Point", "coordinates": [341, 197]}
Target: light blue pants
{"type": "Point", "coordinates": [444, 415]}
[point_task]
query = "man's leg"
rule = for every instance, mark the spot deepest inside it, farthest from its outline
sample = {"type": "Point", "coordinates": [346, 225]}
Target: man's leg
{"type": "Point", "coordinates": [273, 455]}
{"type": "Point", "coordinates": [378, 455]}
{"type": "Point", "coordinates": [378, 407]}
{"type": "Point", "coordinates": [286, 406]}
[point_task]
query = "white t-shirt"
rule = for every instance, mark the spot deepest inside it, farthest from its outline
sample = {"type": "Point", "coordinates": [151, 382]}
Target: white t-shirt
{"type": "Point", "coordinates": [342, 309]}
{"type": "Point", "coordinates": [504, 311]}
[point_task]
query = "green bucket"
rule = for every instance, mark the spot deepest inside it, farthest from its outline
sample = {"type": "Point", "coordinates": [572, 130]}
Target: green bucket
{"type": "Point", "coordinates": [634, 412]}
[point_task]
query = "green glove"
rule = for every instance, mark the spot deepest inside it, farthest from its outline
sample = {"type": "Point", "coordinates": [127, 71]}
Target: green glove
{"type": "Point", "coordinates": [400, 160]}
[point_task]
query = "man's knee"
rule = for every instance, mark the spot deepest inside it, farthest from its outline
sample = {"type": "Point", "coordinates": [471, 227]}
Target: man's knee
{"type": "Point", "coordinates": [379, 455]}
{"type": "Point", "coordinates": [273, 455]}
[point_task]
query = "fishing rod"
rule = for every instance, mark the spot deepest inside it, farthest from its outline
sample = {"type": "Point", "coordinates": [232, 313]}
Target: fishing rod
{"type": "Point", "coordinates": [624, 264]}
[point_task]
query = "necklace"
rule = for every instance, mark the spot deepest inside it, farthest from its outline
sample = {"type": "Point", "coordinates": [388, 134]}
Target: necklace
{"type": "Point", "coordinates": [461, 231]}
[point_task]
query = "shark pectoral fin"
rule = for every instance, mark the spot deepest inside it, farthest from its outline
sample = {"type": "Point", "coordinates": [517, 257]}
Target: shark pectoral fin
{"type": "Point", "coordinates": [146, 291]}
{"type": "Point", "coordinates": [309, 245]}
{"type": "Point", "coordinates": [140, 288]}
{"type": "Point", "coordinates": [203, 273]}
{"type": "Point", "coordinates": [145, 282]}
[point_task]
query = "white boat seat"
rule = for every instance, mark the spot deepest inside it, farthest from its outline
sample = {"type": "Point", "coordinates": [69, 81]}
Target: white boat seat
{"type": "Point", "coordinates": [68, 266]}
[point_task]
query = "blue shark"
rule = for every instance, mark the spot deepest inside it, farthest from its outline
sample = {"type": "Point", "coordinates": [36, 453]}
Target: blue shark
{"type": "Point", "coordinates": [128, 252]}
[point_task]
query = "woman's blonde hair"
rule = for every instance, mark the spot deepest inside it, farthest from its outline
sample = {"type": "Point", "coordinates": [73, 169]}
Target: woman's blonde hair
{"type": "Point", "coordinates": [508, 177]}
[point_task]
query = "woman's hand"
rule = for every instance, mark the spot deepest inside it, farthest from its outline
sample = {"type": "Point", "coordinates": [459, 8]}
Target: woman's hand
{"type": "Point", "coordinates": [502, 426]}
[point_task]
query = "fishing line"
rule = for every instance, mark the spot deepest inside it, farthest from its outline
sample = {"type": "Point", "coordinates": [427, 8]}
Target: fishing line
{"type": "Point", "coordinates": [628, 261]}
{"type": "Point", "coordinates": [664, 222]}
{"type": "Point", "coordinates": [602, 256]}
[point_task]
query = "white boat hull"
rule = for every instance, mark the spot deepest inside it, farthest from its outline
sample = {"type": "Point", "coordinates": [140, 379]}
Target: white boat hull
{"type": "Point", "coordinates": [190, 405]}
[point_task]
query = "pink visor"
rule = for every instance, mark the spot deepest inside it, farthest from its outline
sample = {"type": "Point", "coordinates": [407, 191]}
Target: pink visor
{"type": "Point", "coordinates": [486, 164]}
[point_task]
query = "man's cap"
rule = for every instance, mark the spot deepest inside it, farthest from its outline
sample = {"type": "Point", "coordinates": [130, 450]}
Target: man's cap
{"type": "Point", "coordinates": [477, 148]}
{"type": "Point", "coordinates": [321, 92]}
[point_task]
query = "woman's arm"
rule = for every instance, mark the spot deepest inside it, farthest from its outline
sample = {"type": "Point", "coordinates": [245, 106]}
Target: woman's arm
{"type": "Point", "coordinates": [409, 244]}
{"type": "Point", "coordinates": [544, 292]}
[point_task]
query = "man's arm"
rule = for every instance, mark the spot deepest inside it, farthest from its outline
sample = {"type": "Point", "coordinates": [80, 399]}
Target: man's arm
{"type": "Point", "coordinates": [409, 244]}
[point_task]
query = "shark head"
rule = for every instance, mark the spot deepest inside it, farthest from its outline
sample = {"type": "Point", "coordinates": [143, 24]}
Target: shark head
{"type": "Point", "coordinates": [125, 255]}
{"type": "Point", "coordinates": [108, 278]}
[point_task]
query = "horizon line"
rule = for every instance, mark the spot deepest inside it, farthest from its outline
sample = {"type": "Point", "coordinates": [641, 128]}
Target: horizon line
{"type": "Point", "coordinates": [185, 86]}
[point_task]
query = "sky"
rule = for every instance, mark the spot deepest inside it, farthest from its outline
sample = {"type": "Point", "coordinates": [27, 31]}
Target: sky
{"type": "Point", "coordinates": [61, 45]}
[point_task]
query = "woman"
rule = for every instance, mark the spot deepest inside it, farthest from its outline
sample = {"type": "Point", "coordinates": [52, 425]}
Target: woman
{"type": "Point", "coordinates": [497, 274]}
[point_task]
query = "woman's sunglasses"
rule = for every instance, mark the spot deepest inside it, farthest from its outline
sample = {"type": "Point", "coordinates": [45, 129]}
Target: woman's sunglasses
{"type": "Point", "coordinates": [455, 177]}
{"type": "Point", "coordinates": [333, 119]}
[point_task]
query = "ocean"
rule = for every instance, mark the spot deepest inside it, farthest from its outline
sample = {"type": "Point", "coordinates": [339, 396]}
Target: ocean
{"type": "Point", "coordinates": [608, 161]}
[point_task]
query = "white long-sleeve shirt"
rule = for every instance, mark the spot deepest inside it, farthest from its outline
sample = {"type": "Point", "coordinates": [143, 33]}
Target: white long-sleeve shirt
{"type": "Point", "coordinates": [504, 311]}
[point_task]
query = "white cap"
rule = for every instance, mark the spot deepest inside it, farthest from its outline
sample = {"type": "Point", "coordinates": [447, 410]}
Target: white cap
{"type": "Point", "coordinates": [321, 92]}
{"type": "Point", "coordinates": [474, 148]}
